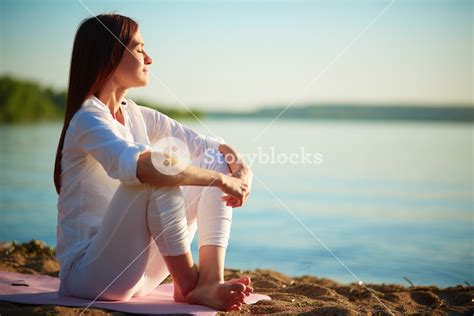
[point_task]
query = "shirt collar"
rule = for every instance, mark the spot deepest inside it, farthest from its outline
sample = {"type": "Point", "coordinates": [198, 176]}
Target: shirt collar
{"type": "Point", "coordinates": [95, 101]}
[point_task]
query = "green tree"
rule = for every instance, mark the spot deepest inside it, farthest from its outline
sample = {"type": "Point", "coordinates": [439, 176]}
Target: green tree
{"type": "Point", "coordinates": [25, 101]}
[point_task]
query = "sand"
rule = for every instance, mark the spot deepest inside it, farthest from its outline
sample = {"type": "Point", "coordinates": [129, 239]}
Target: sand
{"type": "Point", "coordinates": [309, 295]}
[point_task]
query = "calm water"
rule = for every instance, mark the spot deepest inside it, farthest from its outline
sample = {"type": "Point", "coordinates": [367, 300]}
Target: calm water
{"type": "Point", "coordinates": [391, 200]}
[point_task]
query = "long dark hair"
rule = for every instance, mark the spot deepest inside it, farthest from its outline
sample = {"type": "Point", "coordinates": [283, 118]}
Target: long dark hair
{"type": "Point", "coordinates": [95, 56]}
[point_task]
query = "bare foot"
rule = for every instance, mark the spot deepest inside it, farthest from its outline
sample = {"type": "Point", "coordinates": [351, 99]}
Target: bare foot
{"type": "Point", "coordinates": [221, 296]}
{"type": "Point", "coordinates": [244, 280]}
{"type": "Point", "coordinates": [179, 297]}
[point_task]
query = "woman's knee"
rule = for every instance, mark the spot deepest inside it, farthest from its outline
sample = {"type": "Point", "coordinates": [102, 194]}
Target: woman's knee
{"type": "Point", "coordinates": [167, 222]}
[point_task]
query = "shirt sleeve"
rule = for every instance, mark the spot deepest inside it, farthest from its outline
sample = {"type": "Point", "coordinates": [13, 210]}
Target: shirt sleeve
{"type": "Point", "coordinates": [95, 135]}
{"type": "Point", "coordinates": [160, 125]}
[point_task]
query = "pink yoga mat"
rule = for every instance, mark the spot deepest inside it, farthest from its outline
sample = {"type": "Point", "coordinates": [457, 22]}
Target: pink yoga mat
{"type": "Point", "coordinates": [43, 290]}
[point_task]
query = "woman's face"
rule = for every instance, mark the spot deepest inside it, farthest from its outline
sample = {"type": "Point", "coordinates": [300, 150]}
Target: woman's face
{"type": "Point", "coordinates": [132, 70]}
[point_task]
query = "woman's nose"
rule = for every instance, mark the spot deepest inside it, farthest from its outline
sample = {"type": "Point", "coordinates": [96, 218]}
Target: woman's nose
{"type": "Point", "coordinates": [148, 59]}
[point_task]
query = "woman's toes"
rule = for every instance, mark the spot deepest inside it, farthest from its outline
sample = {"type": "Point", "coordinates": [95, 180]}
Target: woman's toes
{"type": "Point", "coordinates": [237, 298]}
{"type": "Point", "coordinates": [248, 290]}
{"type": "Point", "coordinates": [235, 308]}
{"type": "Point", "coordinates": [237, 302]}
{"type": "Point", "coordinates": [241, 296]}
{"type": "Point", "coordinates": [246, 280]}
{"type": "Point", "coordinates": [237, 305]}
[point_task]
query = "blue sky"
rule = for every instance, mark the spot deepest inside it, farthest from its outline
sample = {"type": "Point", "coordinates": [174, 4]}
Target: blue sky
{"type": "Point", "coordinates": [251, 54]}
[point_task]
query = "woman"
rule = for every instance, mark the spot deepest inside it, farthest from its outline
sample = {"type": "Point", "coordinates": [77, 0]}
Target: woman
{"type": "Point", "coordinates": [124, 226]}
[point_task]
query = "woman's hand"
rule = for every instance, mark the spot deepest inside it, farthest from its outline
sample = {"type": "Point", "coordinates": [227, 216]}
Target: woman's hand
{"type": "Point", "coordinates": [233, 186]}
{"type": "Point", "coordinates": [246, 175]}
{"type": "Point", "coordinates": [239, 170]}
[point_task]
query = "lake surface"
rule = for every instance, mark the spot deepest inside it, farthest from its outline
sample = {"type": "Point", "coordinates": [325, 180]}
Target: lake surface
{"type": "Point", "coordinates": [389, 199]}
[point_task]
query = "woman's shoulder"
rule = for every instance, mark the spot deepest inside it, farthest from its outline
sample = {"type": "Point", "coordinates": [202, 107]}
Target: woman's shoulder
{"type": "Point", "coordinates": [131, 103]}
{"type": "Point", "coordinates": [91, 108]}
{"type": "Point", "coordinates": [90, 116]}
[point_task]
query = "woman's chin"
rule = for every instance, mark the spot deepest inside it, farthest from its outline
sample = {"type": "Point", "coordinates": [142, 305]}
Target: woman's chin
{"type": "Point", "coordinates": [146, 81]}
{"type": "Point", "coordinates": [141, 83]}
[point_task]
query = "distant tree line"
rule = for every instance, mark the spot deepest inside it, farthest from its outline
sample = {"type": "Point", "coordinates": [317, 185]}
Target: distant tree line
{"type": "Point", "coordinates": [27, 101]}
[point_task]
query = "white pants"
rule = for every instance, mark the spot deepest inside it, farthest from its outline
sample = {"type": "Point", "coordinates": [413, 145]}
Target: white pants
{"type": "Point", "coordinates": [143, 223]}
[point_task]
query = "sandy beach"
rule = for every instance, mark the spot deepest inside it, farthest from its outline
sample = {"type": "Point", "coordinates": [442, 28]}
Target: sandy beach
{"type": "Point", "coordinates": [296, 295]}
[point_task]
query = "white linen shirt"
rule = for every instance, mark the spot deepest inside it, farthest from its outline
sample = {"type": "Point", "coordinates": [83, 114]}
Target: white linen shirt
{"type": "Point", "coordinates": [99, 153]}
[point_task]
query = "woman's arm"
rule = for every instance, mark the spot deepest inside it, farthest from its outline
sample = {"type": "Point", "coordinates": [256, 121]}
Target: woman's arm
{"type": "Point", "coordinates": [191, 175]}
{"type": "Point", "coordinates": [160, 126]}
{"type": "Point", "coordinates": [237, 165]}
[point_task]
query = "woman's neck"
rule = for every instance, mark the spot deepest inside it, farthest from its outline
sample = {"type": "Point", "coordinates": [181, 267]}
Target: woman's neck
{"type": "Point", "coordinates": [112, 96]}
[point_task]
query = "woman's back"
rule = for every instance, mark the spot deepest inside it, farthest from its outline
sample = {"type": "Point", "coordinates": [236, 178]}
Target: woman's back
{"type": "Point", "coordinates": [92, 169]}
